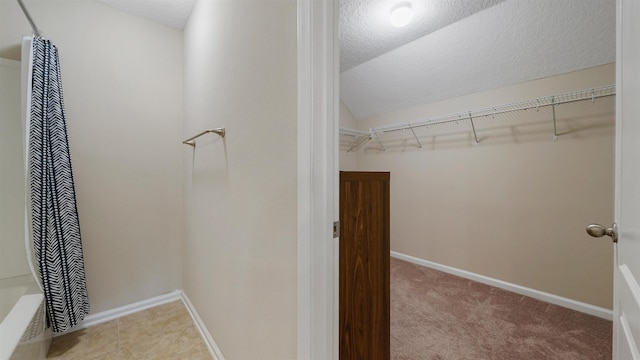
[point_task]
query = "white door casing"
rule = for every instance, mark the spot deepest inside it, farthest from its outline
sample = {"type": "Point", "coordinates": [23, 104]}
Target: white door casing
{"type": "Point", "coordinates": [626, 293]}
{"type": "Point", "coordinates": [317, 328]}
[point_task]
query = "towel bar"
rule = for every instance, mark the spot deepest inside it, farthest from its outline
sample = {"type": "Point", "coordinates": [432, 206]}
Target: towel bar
{"type": "Point", "coordinates": [190, 141]}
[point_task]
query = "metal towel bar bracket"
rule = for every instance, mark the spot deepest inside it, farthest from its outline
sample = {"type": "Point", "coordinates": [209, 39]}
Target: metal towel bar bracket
{"type": "Point", "coordinates": [191, 141]}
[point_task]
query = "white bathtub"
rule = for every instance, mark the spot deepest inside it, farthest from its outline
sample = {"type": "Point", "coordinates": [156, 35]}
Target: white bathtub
{"type": "Point", "coordinates": [23, 333]}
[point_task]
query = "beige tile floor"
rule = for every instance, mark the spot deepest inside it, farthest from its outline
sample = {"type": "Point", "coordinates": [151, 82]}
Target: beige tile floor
{"type": "Point", "coordinates": [163, 332]}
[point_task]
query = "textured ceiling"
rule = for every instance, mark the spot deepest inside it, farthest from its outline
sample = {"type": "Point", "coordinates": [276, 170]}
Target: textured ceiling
{"type": "Point", "coordinates": [366, 33]}
{"type": "Point", "coordinates": [451, 48]}
{"type": "Point", "coordinates": [508, 43]}
{"type": "Point", "coordinates": [173, 13]}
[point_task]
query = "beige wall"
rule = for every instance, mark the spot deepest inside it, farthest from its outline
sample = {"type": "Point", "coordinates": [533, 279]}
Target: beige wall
{"type": "Point", "coordinates": [122, 83]}
{"type": "Point", "coordinates": [240, 266]}
{"type": "Point", "coordinates": [13, 261]}
{"type": "Point", "coordinates": [515, 206]}
{"type": "Point", "coordinates": [348, 160]}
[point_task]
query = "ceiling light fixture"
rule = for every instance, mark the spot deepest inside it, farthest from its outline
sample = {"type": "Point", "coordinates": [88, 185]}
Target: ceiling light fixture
{"type": "Point", "coordinates": [401, 15]}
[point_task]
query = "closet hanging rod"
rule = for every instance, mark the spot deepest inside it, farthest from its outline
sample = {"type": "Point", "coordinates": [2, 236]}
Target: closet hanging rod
{"type": "Point", "coordinates": [36, 32]}
{"type": "Point", "coordinates": [191, 140]}
{"type": "Point", "coordinates": [553, 100]}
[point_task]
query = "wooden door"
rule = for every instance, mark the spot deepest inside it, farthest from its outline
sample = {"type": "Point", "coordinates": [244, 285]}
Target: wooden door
{"type": "Point", "coordinates": [364, 266]}
{"type": "Point", "coordinates": [626, 289]}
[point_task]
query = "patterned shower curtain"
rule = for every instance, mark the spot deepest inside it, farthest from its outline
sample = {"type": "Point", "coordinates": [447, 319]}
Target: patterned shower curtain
{"type": "Point", "coordinates": [54, 216]}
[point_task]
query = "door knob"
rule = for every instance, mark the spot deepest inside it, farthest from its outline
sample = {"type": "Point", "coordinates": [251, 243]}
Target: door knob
{"type": "Point", "coordinates": [597, 230]}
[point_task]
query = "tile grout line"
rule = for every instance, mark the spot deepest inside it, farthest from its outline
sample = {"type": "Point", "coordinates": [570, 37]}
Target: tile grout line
{"type": "Point", "coordinates": [118, 338]}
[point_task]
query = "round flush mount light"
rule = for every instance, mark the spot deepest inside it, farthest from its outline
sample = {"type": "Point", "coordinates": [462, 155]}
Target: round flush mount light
{"type": "Point", "coordinates": [401, 15]}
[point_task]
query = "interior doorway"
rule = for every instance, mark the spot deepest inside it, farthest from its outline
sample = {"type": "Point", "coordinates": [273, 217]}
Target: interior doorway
{"type": "Point", "coordinates": [498, 197]}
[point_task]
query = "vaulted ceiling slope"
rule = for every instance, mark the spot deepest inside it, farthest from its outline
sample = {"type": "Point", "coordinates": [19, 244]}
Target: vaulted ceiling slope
{"type": "Point", "coordinates": [504, 44]}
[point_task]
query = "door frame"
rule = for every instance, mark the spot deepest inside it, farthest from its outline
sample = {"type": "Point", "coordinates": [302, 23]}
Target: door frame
{"type": "Point", "coordinates": [617, 176]}
{"type": "Point", "coordinates": [317, 150]}
{"type": "Point", "coordinates": [318, 101]}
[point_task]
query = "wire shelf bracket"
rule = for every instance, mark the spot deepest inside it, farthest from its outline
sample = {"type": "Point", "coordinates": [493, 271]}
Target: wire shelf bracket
{"type": "Point", "coordinates": [359, 138]}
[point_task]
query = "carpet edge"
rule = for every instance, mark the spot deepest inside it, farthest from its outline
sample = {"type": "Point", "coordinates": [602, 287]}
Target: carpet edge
{"type": "Point", "coordinates": [582, 307]}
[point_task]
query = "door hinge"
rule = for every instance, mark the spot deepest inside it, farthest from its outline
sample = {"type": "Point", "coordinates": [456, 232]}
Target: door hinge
{"type": "Point", "coordinates": [336, 229]}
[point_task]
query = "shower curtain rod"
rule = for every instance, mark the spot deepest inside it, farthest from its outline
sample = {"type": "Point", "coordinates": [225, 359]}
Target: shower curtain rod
{"type": "Point", "coordinates": [553, 100]}
{"type": "Point", "coordinates": [36, 32]}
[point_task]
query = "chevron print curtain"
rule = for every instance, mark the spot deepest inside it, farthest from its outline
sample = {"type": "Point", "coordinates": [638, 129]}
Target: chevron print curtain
{"type": "Point", "coordinates": [54, 216]}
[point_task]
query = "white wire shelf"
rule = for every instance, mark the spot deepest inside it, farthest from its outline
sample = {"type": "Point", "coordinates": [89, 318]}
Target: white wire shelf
{"type": "Point", "coordinates": [361, 137]}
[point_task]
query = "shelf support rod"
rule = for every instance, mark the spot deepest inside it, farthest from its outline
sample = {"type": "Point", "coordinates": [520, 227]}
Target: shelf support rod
{"type": "Point", "coordinates": [415, 136]}
{"type": "Point", "coordinates": [553, 108]}
{"type": "Point", "coordinates": [473, 127]}
{"type": "Point", "coordinates": [360, 140]}
{"type": "Point", "coordinates": [382, 148]}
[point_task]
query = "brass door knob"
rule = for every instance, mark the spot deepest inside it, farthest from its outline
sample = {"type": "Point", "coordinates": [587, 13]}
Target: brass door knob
{"type": "Point", "coordinates": [597, 230]}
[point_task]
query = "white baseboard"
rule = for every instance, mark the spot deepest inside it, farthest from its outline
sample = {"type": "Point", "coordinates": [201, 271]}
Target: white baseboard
{"type": "Point", "coordinates": [536, 294]}
{"type": "Point", "coordinates": [214, 350]}
{"type": "Point", "coordinates": [104, 316]}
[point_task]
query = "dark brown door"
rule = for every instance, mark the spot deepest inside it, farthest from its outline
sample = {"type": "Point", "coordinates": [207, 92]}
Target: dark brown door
{"type": "Point", "coordinates": [364, 266]}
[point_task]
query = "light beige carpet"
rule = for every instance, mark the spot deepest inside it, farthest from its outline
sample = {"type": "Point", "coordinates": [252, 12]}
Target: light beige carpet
{"type": "Point", "coordinates": [435, 315]}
